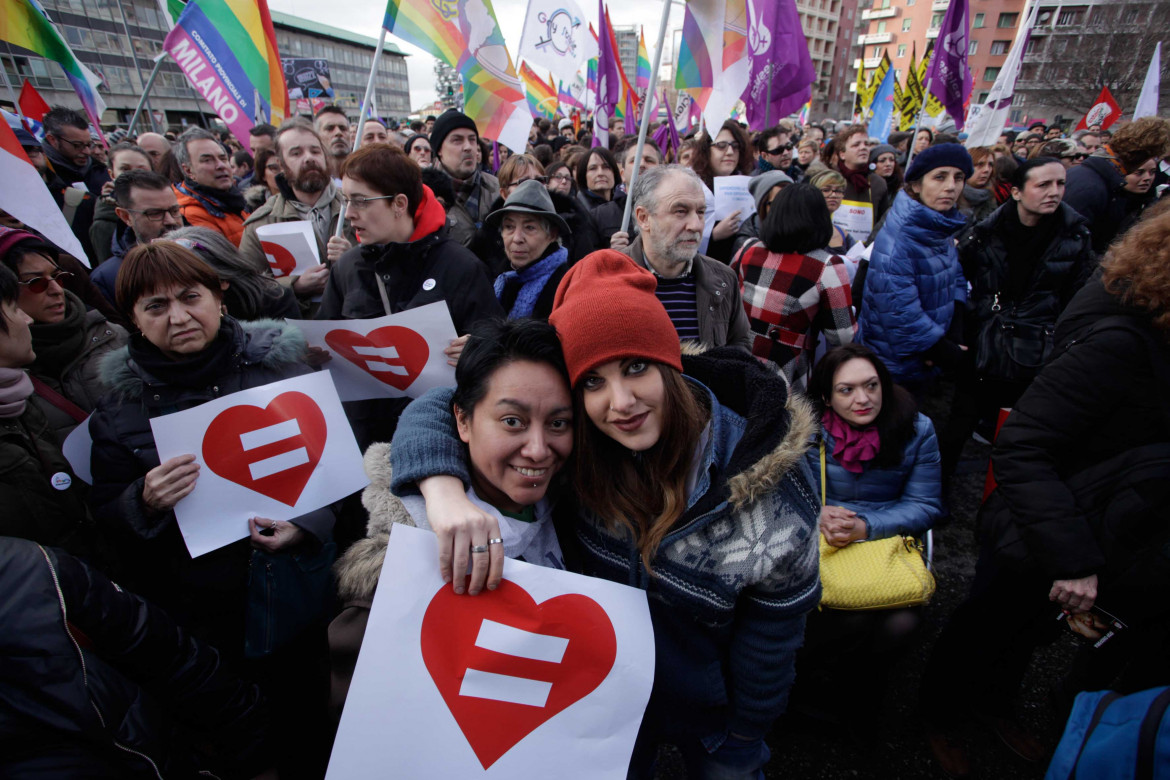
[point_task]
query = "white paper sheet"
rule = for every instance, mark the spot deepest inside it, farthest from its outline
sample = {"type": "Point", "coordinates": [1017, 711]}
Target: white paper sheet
{"type": "Point", "coordinates": [387, 357]}
{"type": "Point", "coordinates": [290, 247]}
{"type": "Point", "coordinates": [546, 677]}
{"type": "Point", "coordinates": [731, 193]}
{"type": "Point", "coordinates": [276, 451]}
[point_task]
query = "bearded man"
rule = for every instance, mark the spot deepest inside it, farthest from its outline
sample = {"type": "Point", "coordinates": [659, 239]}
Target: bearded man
{"type": "Point", "coordinates": [307, 193]}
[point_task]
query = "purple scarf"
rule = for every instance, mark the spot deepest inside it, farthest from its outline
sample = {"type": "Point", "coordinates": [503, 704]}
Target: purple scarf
{"type": "Point", "coordinates": [852, 447]}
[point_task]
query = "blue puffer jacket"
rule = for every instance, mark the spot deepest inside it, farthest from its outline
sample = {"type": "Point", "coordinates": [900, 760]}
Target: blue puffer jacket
{"type": "Point", "coordinates": [903, 500]}
{"type": "Point", "coordinates": [913, 283]}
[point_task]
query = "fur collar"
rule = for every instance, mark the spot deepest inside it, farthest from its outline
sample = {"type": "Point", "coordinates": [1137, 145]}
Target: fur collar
{"type": "Point", "coordinates": [266, 342]}
{"type": "Point", "coordinates": [358, 570]}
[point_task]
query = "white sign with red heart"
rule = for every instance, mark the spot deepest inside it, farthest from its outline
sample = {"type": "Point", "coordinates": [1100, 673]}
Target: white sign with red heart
{"type": "Point", "coordinates": [546, 676]}
{"type": "Point", "coordinates": [289, 247]}
{"type": "Point", "coordinates": [387, 357]}
{"type": "Point", "coordinates": [276, 451]}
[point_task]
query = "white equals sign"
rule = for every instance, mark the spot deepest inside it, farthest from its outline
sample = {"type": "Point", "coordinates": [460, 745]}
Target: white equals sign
{"type": "Point", "coordinates": [270, 435]}
{"type": "Point", "coordinates": [517, 642]}
{"type": "Point", "coordinates": [383, 355]}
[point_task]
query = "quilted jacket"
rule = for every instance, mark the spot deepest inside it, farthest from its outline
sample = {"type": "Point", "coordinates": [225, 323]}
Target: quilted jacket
{"type": "Point", "coordinates": [913, 284]}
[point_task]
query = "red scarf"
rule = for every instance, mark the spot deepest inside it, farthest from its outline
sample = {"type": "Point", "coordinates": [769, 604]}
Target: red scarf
{"type": "Point", "coordinates": [852, 447]}
{"type": "Point", "coordinates": [859, 179]}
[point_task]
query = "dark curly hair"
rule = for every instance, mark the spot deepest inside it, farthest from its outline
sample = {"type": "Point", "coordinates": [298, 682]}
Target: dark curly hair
{"type": "Point", "coordinates": [1137, 268]}
{"type": "Point", "coordinates": [701, 160]}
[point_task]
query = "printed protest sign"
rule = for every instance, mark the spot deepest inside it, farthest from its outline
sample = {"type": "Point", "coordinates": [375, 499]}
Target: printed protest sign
{"type": "Point", "coordinates": [276, 451]}
{"type": "Point", "coordinates": [731, 194]}
{"type": "Point", "coordinates": [290, 247]}
{"type": "Point", "coordinates": [547, 675]}
{"type": "Point", "coordinates": [387, 357]}
{"type": "Point", "coordinates": [307, 77]}
{"type": "Point", "coordinates": [855, 217]}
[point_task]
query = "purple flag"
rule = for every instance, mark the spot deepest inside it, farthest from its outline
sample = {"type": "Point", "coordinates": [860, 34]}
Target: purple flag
{"type": "Point", "coordinates": [609, 84]}
{"type": "Point", "coordinates": [781, 72]}
{"type": "Point", "coordinates": [631, 114]}
{"type": "Point", "coordinates": [661, 137]}
{"type": "Point", "coordinates": [674, 141]}
{"type": "Point", "coordinates": [948, 75]}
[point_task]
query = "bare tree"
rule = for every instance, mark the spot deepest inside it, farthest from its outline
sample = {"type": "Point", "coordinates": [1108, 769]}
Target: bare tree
{"type": "Point", "coordinates": [1066, 66]}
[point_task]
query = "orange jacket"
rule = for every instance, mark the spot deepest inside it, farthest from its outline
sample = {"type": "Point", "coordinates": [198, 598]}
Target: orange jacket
{"type": "Point", "coordinates": [198, 212]}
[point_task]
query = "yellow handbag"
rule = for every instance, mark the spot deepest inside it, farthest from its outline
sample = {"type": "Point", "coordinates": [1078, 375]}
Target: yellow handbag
{"type": "Point", "coordinates": [881, 574]}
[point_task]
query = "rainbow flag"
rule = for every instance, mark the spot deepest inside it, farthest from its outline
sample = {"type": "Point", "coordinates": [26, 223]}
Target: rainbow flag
{"type": "Point", "coordinates": [542, 100]}
{"type": "Point", "coordinates": [805, 110]}
{"type": "Point", "coordinates": [461, 37]}
{"type": "Point", "coordinates": [694, 71]}
{"type": "Point", "coordinates": [227, 50]}
{"type": "Point", "coordinates": [642, 75]}
{"type": "Point", "coordinates": [23, 23]}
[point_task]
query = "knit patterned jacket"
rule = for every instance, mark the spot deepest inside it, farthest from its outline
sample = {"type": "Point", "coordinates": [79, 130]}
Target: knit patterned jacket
{"type": "Point", "coordinates": [735, 577]}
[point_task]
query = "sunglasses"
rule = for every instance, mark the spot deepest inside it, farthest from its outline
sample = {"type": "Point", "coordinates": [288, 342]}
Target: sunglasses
{"type": "Point", "coordinates": [41, 283]}
{"type": "Point", "coordinates": [723, 146]}
{"type": "Point", "coordinates": [1076, 156]}
{"type": "Point", "coordinates": [779, 149]}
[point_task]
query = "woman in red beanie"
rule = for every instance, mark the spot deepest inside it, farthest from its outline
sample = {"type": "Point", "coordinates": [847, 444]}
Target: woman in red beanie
{"type": "Point", "coordinates": [679, 495]}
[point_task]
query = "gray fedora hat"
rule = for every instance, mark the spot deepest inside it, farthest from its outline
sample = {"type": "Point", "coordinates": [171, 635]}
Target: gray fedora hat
{"type": "Point", "coordinates": [531, 197]}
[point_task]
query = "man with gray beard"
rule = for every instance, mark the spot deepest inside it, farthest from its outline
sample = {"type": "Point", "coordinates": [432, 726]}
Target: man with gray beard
{"type": "Point", "coordinates": [700, 294]}
{"type": "Point", "coordinates": [306, 193]}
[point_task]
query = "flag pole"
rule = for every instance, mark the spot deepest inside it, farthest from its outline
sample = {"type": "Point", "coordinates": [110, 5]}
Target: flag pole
{"type": "Point", "coordinates": [918, 123]}
{"type": "Point", "coordinates": [137, 66]}
{"type": "Point", "coordinates": [146, 91]}
{"type": "Point", "coordinates": [645, 124]}
{"type": "Point", "coordinates": [12, 96]}
{"type": "Point", "coordinates": [357, 139]}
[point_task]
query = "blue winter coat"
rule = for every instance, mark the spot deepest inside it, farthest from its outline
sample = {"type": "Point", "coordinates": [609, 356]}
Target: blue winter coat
{"type": "Point", "coordinates": [902, 500]}
{"type": "Point", "coordinates": [913, 283]}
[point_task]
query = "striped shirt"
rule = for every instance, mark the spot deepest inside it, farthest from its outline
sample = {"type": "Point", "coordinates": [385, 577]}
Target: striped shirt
{"type": "Point", "coordinates": [678, 297]}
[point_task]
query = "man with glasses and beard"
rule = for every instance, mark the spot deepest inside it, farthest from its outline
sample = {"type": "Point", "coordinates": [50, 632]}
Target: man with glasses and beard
{"type": "Point", "coordinates": [306, 193]}
{"type": "Point", "coordinates": [67, 148]}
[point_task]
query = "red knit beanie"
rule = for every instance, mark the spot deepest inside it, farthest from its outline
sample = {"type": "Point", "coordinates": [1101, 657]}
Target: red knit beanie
{"type": "Point", "coordinates": [605, 309]}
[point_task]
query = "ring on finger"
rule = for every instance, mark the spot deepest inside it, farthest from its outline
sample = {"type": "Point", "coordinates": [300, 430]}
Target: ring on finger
{"type": "Point", "coordinates": [479, 548]}
{"type": "Point", "coordinates": [497, 540]}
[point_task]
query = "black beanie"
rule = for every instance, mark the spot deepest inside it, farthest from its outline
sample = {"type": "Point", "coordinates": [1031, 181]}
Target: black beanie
{"type": "Point", "coordinates": [449, 120]}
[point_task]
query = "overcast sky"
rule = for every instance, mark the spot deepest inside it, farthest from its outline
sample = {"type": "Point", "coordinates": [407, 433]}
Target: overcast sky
{"type": "Point", "coordinates": [365, 17]}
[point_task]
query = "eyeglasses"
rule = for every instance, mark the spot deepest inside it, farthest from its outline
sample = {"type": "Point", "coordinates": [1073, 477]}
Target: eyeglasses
{"type": "Point", "coordinates": [1075, 157]}
{"type": "Point", "coordinates": [779, 150]}
{"type": "Point", "coordinates": [838, 191]}
{"type": "Point", "coordinates": [562, 177]}
{"type": "Point", "coordinates": [158, 215]}
{"type": "Point", "coordinates": [357, 204]}
{"type": "Point", "coordinates": [78, 145]}
{"type": "Point", "coordinates": [41, 283]}
{"type": "Point", "coordinates": [723, 146]}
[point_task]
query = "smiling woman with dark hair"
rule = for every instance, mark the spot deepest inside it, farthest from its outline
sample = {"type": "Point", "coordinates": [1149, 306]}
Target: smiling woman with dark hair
{"type": "Point", "coordinates": [793, 289]}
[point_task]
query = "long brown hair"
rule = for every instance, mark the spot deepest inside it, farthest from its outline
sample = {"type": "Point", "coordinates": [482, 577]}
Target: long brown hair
{"type": "Point", "coordinates": [701, 161]}
{"type": "Point", "coordinates": [645, 492]}
{"type": "Point", "coordinates": [1137, 268]}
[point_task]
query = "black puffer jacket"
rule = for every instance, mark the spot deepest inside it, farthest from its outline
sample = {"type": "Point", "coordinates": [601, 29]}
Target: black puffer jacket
{"type": "Point", "coordinates": [205, 594]}
{"type": "Point", "coordinates": [428, 269]}
{"type": "Point", "coordinates": [95, 682]}
{"type": "Point", "coordinates": [1102, 396]}
{"type": "Point", "coordinates": [1096, 189]}
{"type": "Point", "coordinates": [582, 239]}
{"type": "Point", "coordinates": [1055, 276]}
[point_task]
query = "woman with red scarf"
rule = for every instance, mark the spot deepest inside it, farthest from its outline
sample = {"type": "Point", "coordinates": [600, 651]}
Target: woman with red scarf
{"type": "Point", "coordinates": [882, 479]}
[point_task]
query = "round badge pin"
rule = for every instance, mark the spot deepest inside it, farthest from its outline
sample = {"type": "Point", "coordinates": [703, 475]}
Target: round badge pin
{"type": "Point", "coordinates": [60, 481]}
{"type": "Point", "coordinates": [429, 284]}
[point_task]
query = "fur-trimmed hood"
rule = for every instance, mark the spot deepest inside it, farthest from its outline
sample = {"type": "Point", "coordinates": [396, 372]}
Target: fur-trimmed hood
{"type": "Point", "coordinates": [267, 343]}
{"type": "Point", "coordinates": [777, 435]}
{"type": "Point", "coordinates": [358, 570]}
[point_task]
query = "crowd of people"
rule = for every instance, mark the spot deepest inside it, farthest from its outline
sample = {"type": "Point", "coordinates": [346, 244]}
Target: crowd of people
{"type": "Point", "coordinates": [699, 408]}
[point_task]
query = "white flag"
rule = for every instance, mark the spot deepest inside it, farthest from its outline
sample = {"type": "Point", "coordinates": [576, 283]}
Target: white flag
{"type": "Point", "coordinates": [556, 36]}
{"type": "Point", "coordinates": [985, 122]}
{"type": "Point", "coordinates": [1147, 104]}
{"type": "Point", "coordinates": [25, 196]}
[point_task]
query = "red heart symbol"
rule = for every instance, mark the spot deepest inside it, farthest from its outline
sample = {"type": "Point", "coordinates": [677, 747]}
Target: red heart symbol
{"type": "Point", "coordinates": [391, 354]}
{"type": "Point", "coordinates": [273, 450]}
{"type": "Point", "coordinates": [280, 260]}
{"type": "Point", "coordinates": [505, 664]}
